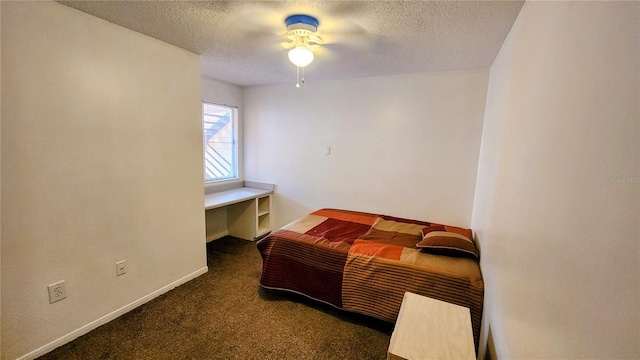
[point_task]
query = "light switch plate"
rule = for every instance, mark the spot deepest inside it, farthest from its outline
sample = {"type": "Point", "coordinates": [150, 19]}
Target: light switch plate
{"type": "Point", "coordinates": [121, 267]}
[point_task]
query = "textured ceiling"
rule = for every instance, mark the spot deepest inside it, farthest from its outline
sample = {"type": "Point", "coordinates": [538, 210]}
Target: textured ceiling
{"type": "Point", "coordinates": [240, 42]}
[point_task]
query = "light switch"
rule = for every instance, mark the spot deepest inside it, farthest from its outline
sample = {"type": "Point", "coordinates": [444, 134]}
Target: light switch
{"type": "Point", "coordinates": [327, 150]}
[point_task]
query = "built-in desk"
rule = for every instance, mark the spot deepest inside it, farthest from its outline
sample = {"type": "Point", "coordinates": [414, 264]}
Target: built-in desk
{"type": "Point", "coordinates": [242, 212]}
{"type": "Point", "coordinates": [229, 197]}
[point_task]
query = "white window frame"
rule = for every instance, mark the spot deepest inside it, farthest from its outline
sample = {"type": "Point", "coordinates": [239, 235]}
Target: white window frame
{"type": "Point", "coordinates": [235, 161]}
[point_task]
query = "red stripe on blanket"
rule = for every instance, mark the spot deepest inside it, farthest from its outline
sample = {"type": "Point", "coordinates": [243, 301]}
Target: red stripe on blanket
{"type": "Point", "coordinates": [406, 221]}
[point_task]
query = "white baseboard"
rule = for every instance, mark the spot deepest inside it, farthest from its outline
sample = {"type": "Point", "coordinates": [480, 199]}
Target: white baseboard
{"type": "Point", "coordinates": [105, 319]}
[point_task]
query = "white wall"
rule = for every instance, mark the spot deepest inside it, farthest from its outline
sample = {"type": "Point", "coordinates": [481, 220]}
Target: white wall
{"type": "Point", "coordinates": [400, 145]}
{"type": "Point", "coordinates": [220, 92]}
{"type": "Point", "coordinates": [557, 200]}
{"type": "Point", "coordinates": [101, 161]}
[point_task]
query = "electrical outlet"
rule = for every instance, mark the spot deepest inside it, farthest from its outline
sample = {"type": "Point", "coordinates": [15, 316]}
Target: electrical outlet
{"type": "Point", "coordinates": [121, 267]}
{"type": "Point", "coordinates": [57, 292]}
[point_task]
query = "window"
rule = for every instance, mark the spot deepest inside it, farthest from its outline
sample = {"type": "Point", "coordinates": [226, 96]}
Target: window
{"type": "Point", "coordinates": [220, 142]}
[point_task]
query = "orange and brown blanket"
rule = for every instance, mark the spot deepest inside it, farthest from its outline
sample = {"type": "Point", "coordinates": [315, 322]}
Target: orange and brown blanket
{"type": "Point", "coordinates": [365, 263]}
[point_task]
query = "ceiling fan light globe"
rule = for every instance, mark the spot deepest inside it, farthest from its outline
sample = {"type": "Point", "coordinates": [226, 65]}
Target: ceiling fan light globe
{"type": "Point", "coordinates": [300, 56]}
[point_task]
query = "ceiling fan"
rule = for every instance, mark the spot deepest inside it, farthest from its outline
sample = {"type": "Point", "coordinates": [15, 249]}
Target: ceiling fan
{"type": "Point", "coordinates": [335, 31]}
{"type": "Point", "coordinates": [302, 32]}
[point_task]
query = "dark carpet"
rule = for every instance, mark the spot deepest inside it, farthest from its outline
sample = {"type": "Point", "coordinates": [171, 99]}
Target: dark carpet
{"type": "Point", "coordinates": [225, 314]}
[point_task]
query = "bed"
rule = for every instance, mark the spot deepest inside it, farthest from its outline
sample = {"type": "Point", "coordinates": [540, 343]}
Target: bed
{"type": "Point", "coordinates": [364, 263]}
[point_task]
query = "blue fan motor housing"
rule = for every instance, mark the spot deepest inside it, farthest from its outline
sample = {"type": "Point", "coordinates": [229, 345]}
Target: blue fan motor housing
{"type": "Point", "coordinates": [304, 19]}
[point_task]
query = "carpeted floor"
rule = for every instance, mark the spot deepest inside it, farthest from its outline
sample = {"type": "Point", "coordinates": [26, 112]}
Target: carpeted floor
{"type": "Point", "coordinates": [225, 314]}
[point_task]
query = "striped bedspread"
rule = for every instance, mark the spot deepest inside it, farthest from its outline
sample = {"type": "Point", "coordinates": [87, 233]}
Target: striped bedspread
{"type": "Point", "coordinates": [365, 263]}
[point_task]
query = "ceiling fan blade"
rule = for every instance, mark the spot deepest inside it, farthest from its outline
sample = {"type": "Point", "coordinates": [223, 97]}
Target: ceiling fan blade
{"type": "Point", "coordinates": [258, 21]}
{"type": "Point", "coordinates": [288, 45]}
{"type": "Point", "coordinates": [350, 46]}
{"type": "Point", "coordinates": [346, 38]}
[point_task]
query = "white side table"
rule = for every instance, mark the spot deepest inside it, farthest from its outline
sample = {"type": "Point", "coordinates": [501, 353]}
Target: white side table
{"type": "Point", "coordinates": [431, 329]}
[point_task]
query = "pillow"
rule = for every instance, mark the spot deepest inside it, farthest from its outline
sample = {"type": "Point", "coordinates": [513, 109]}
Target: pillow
{"type": "Point", "coordinates": [447, 240]}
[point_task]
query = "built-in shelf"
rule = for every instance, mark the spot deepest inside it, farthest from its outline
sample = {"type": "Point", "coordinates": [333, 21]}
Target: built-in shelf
{"type": "Point", "coordinates": [242, 212]}
{"type": "Point", "coordinates": [264, 210]}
